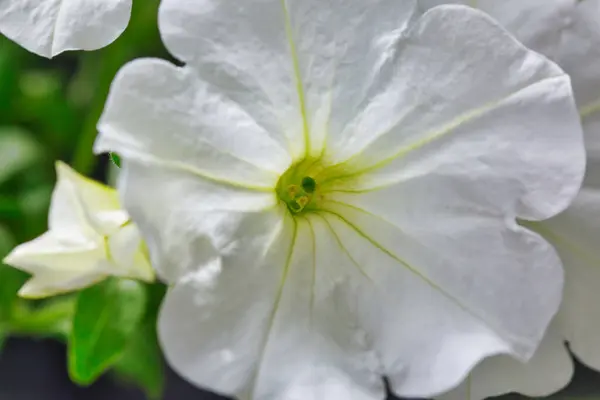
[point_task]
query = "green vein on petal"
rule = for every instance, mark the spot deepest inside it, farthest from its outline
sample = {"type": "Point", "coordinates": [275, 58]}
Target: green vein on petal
{"type": "Point", "coordinates": [284, 276]}
{"type": "Point", "coordinates": [408, 266]}
{"type": "Point", "coordinates": [345, 249]}
{"type": "Point", "coordinates": [430, 137]}
{"type": "Point", "coordinates": [590, 109]}
{"type": "Point", "coordinates": [297, 77]}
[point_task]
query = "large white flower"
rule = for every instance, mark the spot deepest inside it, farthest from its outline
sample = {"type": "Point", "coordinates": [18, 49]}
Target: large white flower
{"type": "Point", "coordinates": [49, 27]}
{"type": "Point", "coordinates": [332, 194]}
{"type": "Point", "coordinates": [89, 238]}
{"type": "Point", "coordinates": [575, 233]}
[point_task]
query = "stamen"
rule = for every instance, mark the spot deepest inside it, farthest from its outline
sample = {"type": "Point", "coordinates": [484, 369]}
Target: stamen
{"type": "Point", "coordinates": [294, 206]}
{"type": "Point", "coordinates": [302, 201]}
{"type": "Point", "coordinates": [293, 190]}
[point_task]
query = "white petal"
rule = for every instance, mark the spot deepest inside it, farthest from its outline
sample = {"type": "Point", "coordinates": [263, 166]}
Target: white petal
{"type": "Point", "coordinates": [83, 207]}
{"type": "Point", "coordinates": [48, 250]}
{"type": "Point", "coordinates": [575, 233]}
{"type": "Point", "coordinates": [316, 348]}
{"type": "Point", "coordinates": [57, 265]}
{"type": "Point", "coordinates": [476, 107]}
{"type": "Point", "coordinates": [536, 23]}
{"type": "Point", "coordinates": [51, 283]}
{"type": "Point", "coordinates": [49, 27]}
{"type": "Point", "coordinates": [481, 287]}
{"type": "Point", "coordinates": [68, 217]}
{"type": "Point", "coordinates": [127, 255]}
{"type": "Point", "coordinates": [548, 371]}
{"type": "Point", "coordinates": [272, 323]}
{"type": "Point", "coordinates": [174, 209]}
{"type": "Point", "coordinates": [213, 321]}
{"type": "Point", "coordinates": [160, 112]}
{"type": "Point", "coordinates": [295, 65]}
{"type": "Point", "coordinates": [426, 343]}
{"type": "Point", "coordinates": [579, 56]}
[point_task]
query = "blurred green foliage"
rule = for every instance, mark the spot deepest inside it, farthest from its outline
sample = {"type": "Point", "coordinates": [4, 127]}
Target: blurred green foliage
{"type": "Point", "coordinates": [48, 111]}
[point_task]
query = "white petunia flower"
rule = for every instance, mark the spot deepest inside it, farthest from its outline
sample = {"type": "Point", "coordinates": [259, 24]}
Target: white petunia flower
{"type": "Point", "coordinates": [575, 234]}
{"type": "Point", "coordinates": [332, 195]}
{"type": "Point", "coordinates": [89, 239]}
{"type": "Point", "coordinates": [49, 27]}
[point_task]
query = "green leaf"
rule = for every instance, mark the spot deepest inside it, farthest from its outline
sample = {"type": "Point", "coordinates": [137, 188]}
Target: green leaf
{"type": "Point", "coordinates": [115, 159]}
{"type": "Point", "coordinates": [106, 318]}
{"type": "Point", "coordinates": [3, 337]}
{"type": "Point", "coordinates": [11, 279]}
{"type": "Point", "coordinates": [52, 318]}
{"type": "Point", "coordinates": [7, 242]}
{"type": "Point", "coordinates": [142, 361]}
{"type": "Point", "coordinates": [43, 105]}
{"type": "Point", "coordinates": [18, 150]}
{"type": "Point", "coordinates": [10, 67]}
{"type": "Point", "coordinates": [34, 204]}
{"type": "Point", "coordinates": [9, 207]}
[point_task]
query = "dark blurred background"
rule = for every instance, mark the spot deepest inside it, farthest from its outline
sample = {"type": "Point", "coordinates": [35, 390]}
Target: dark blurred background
{"type": "Point", "coordinates": [48, 112]}
{"type": "Point", "coordinates": [36, 370]}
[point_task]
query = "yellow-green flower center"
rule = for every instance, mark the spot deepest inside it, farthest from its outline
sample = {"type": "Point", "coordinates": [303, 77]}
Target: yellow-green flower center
{"type": "Point", "coordinates": [305, 184]}
{"type": "Point", "coordinates": [299, 186]}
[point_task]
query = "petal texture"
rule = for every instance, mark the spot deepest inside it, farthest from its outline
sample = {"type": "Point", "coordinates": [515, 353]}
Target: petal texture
{"type": "Point", "coordinates": [579, 56]}
{"type": "Point", "coordinates": [457, 105]}
{"type": "Point", "coordinates": [536, 23]}
{"type": "Point", "coordinates": [309, 324]}
{"type": "Point", "coordinates": [81, 207]}
{"type": "Point", "coordinates": [575, 233]}
{"type": "Point", "coordinates": [181, 235]}
{"type": "Point", "coordinates": [548, 371]}
{"type": "Point", "coordinates": [49, 27]}
{"type": "Point", "coordinates": [56, 264]}
{"type": "Point", "coordinates": [446, 265]}
{"type": "Point", "coordinates": [295, 57]}
{"type": "Point", "coordinates": [208, 134]}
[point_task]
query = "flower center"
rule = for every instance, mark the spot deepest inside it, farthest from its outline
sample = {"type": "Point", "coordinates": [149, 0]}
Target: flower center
{"type": "Point", "coordinates": [299, 188]}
